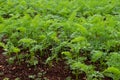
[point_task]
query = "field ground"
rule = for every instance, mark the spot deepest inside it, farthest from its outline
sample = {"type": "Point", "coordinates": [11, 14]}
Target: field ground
{"type": "Point", "coordinates": [59, 39]}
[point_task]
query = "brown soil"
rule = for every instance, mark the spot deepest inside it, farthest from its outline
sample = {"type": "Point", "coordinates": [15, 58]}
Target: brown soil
{"type": "Point", "coordinates": [58, 71]}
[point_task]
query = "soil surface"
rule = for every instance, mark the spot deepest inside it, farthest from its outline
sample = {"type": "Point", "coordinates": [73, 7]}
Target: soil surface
{"type": "Point", "coordinates": [58, 71]}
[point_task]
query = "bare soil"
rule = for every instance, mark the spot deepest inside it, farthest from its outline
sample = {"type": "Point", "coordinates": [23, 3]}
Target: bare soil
{"type": "Point", "coordinates": [58, 70]}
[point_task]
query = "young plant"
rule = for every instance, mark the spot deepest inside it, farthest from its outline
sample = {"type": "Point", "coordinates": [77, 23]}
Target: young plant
{"type": "Point", "coordinates": [113, 60]}
{"type": "Point", "coordinates": [27, 43]}
{"type": "Point", "coordinates": [78, 68]}
{"type": "Point", "coordinates": [33, 61]}
{"type": "Point", "coordinates": [112, 72]}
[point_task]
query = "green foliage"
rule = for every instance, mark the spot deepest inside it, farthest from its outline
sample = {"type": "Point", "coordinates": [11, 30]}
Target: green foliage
{"type": "Point", "coordinates": [2, 45]}
{"type": "Point", "coordinates": [26, 42]}
{"type": "Point", "coordinates": [112, 72]}
{"type": "Point", "coordinates": [33, 60]}
{"type": "Point", "coordinates": [113, 60]}
{"type": "Point", "coordinates": [6, 78]}
{"type": "Point", "coordinates": [86, 33]}
{"type": "Point", "coordinates": [79, 66]}
{"type": "Point", "coordinates": [113, 45]}
{"type": "Point", "coordinates": [96, 55]}
{"type": "Point", "coordinates": [67, 54]}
